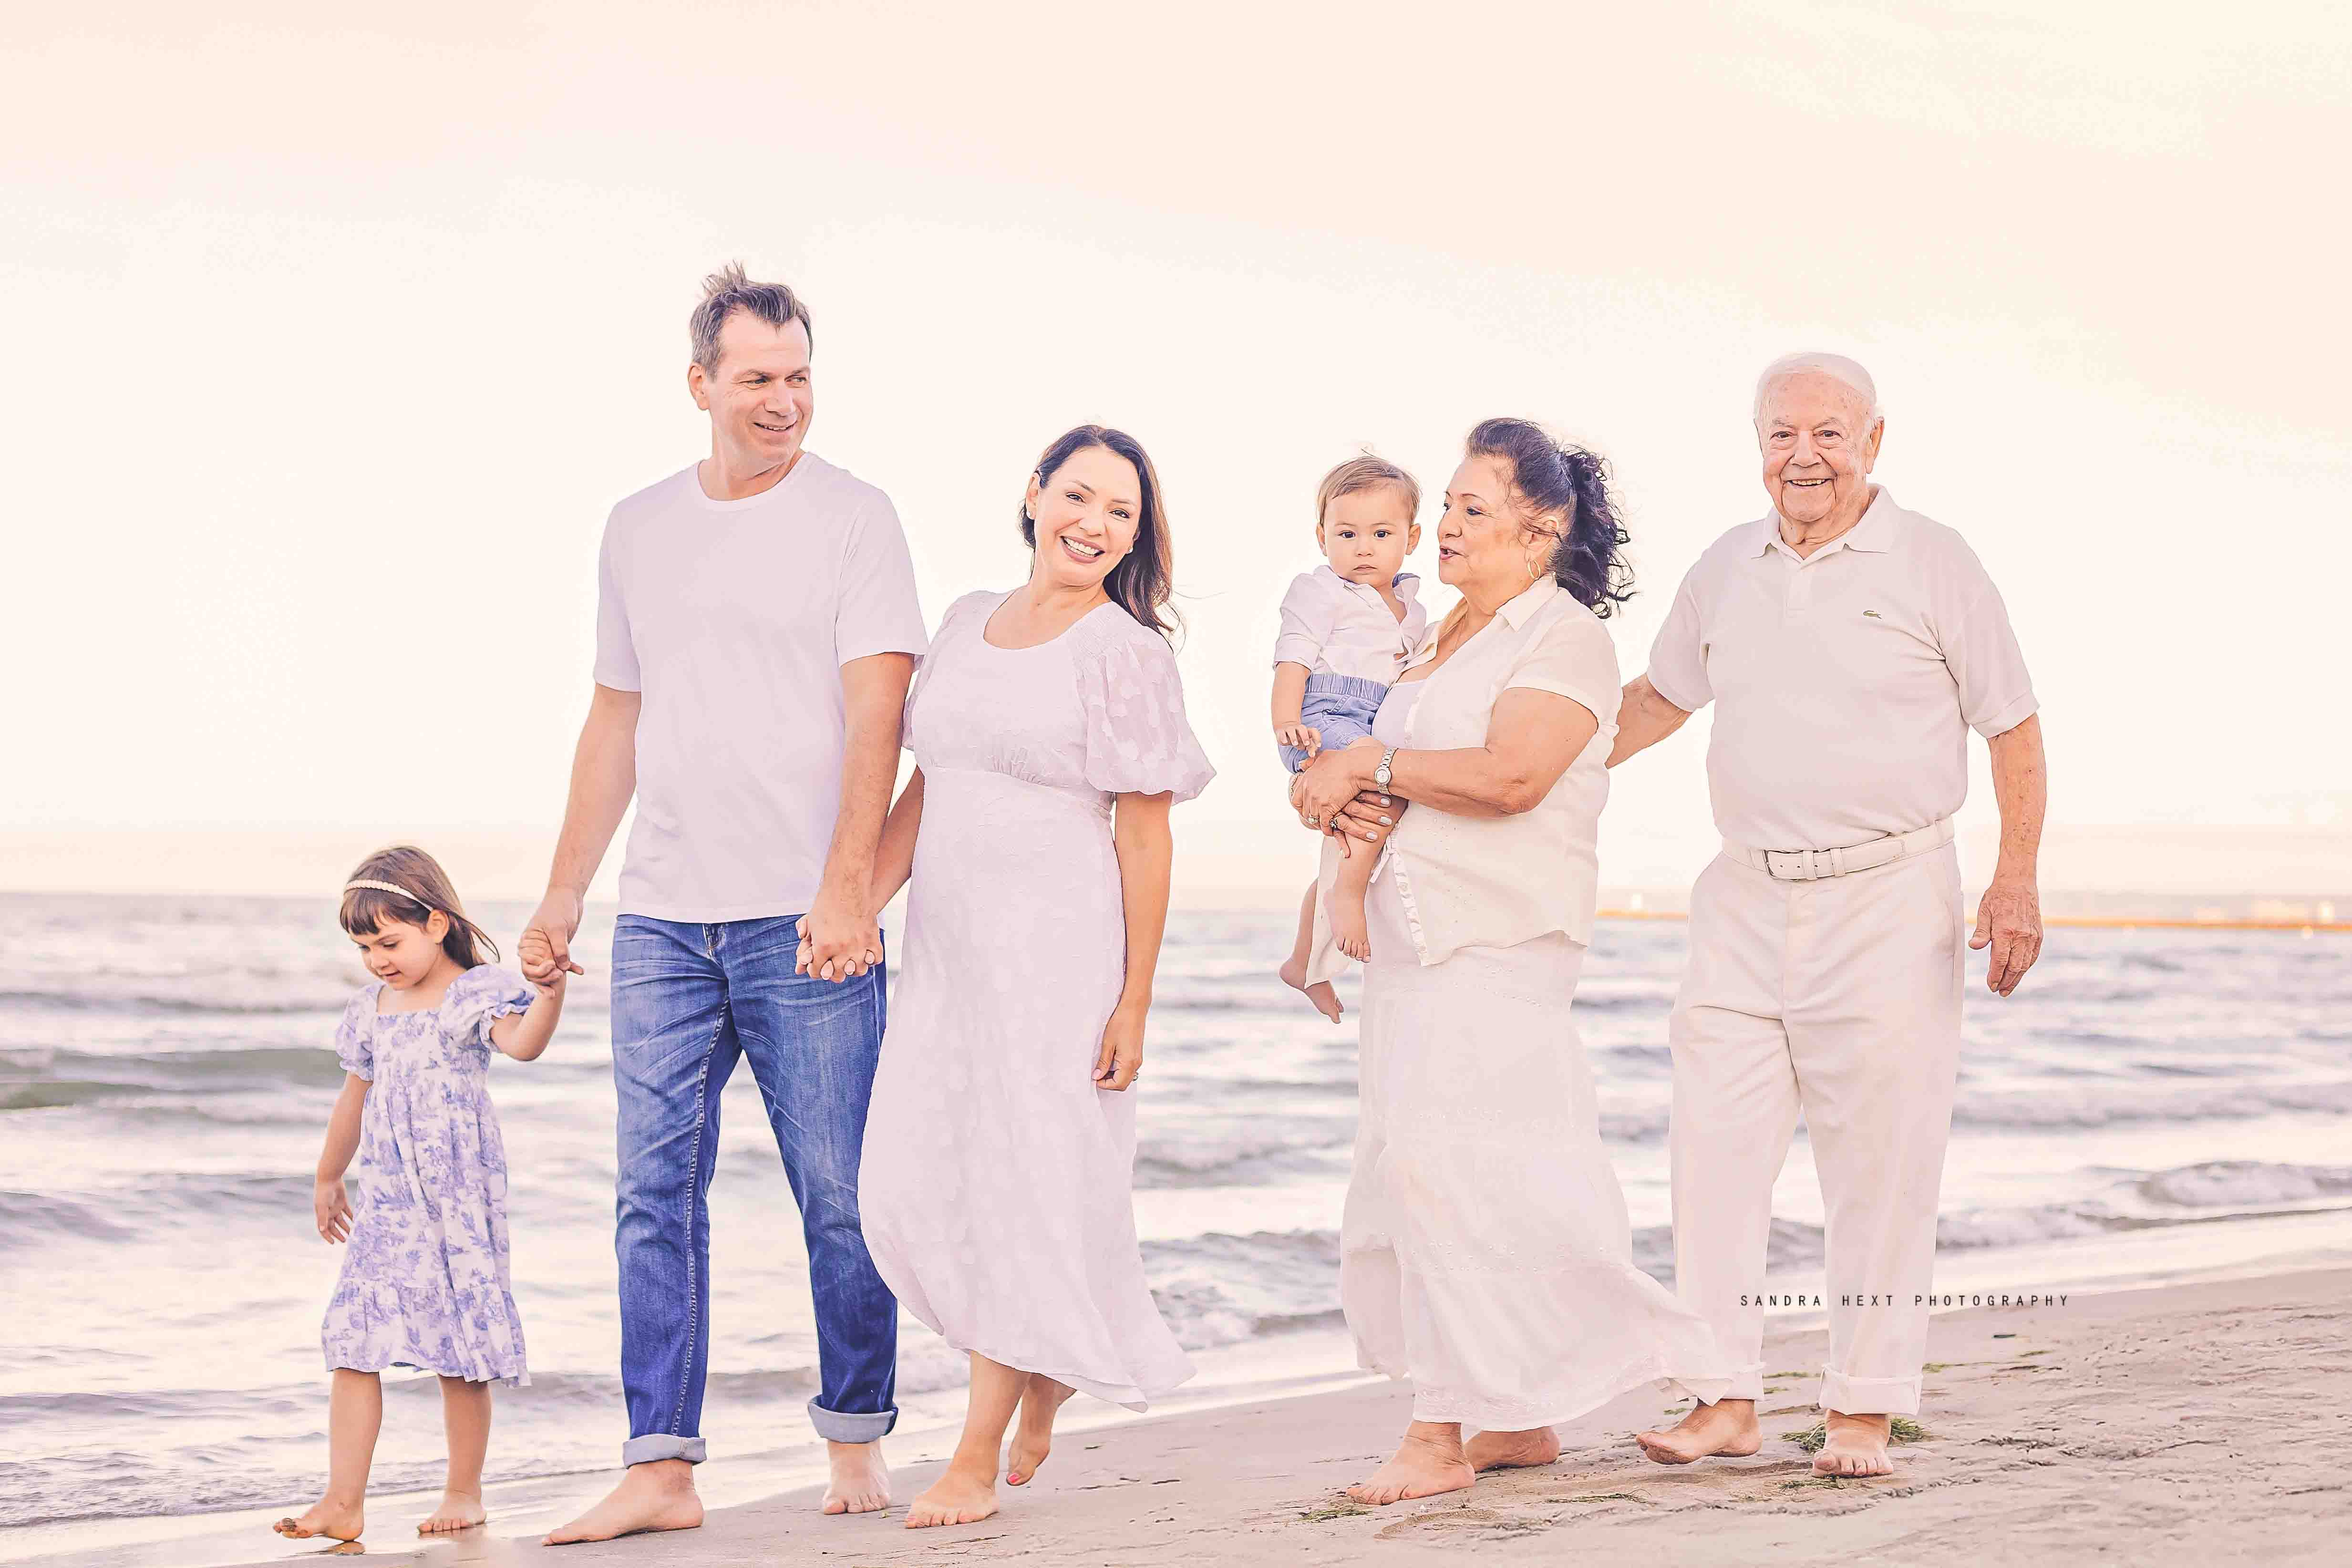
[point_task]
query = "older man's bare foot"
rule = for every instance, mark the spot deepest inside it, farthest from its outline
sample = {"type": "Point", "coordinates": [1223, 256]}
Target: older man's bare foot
{"type": "Point", "coordinates": [1326, 1000]}
{"type": "Point", "coordinates": [1041, 1400]}
{"type": "Point", "coordinates": [657, 1495]}
{"type": "Point", "coordinates": [459, 1511]}
{"type": "Point", "coordinates": [958, 1497]}
{"type": "Point", "coordinates": [861, 1481]}
{"type": "Point", "coordinates": [1856, 1446]}
{"type": "Point", "coordinates": [1424, 1464]}
{"type": "Point", "coordinates": [1727, 1427]}
{"type": "Point", "coordinates": [1512, 1450]}
{"type": "Point", "coordinates": [335, 1521]}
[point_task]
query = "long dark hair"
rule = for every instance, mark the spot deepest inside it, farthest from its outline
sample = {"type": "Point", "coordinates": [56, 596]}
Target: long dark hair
{"type": "Point", "coordinates": [425, 889]}
{"type": "Point", "coordinates": [1551, 475]}
{"type": "Point", "coordinates": [1144, 580]}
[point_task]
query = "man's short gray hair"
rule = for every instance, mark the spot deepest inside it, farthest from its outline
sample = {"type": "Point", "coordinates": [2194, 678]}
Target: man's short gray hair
{"type": "Point", "coordinates": [1837, 367]}
{"type": "Point", "coordinates": [728, 290]}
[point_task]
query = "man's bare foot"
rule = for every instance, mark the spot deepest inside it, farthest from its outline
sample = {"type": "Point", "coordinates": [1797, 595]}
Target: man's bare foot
{"type": "Point", "coordinates": [1727, 1427]}
{"type": "Point", "coordinates": [956, 1498]}
{"type": "Point", "coordinates": [1041, 1401]}
{"type": "Point", "coordinates": [861, 1481]}
{"type": "Point", "coordinates": [1856, 1446]}
{"type": "Point", "coordinates": [1326, 1000]}
{"type": "Point", "coordinates": [1512, 1450]}
{"type": "Point", "coordinates": [1349, 930]}
{"type": "Point", "coordinates": [335, 1521]}
{"type": "Point", "coordinates": [459, 1511]}
{"type": "Point", "coordinates": [1421, 1466]}
{"type": "Point", "coordinates": [657, 1495]}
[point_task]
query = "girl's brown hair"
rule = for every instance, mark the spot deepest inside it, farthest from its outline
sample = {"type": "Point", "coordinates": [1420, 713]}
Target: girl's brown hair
{"type": "Point", "coordinates": [1144, 580]}
{"type": "Point", "coordinates": [365, 909]}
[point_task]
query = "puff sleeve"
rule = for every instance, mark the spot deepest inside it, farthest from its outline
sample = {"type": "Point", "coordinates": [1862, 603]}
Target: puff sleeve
{"type": "Point", "coordinates": [479, 997]}
{"type": "Point", "coordinates": [1138, 740]}
{"type": "Point", "coordinates": [355, 1035]}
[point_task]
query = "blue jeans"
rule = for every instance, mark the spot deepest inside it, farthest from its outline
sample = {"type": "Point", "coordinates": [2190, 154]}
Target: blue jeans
{"type": "Point", "coordinates": [688, 1000]}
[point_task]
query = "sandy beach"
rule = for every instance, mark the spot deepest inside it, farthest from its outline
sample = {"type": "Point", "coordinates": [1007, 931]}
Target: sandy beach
{"type": "Point", "coordinates": [2205, 1422]}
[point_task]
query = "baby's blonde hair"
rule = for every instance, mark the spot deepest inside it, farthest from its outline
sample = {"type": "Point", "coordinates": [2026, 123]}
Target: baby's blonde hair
{"type": "Point", "coordinates": [1365, 473]}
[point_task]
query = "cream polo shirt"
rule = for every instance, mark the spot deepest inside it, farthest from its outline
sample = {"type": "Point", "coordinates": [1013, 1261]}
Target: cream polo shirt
{"type": "Point", "coordinates": [1498, 881]}
{"type": "Point", "coordinates": [1845, 683]}
{"type": "Point", "coordinates": [1334, 627]}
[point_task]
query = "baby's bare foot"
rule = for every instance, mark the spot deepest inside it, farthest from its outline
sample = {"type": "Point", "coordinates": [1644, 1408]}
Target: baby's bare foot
{"type": "Point", "coordinates": [1041, 1401]}
{"type": "Point", "coordinates": [1327, 1001]}
{"type": "Point", "coordinates": [336, 1520]}
{"type": "Point", "coordinates": [459, 1511]}
{"type": "Point", "coordinates": [1348, 930]}
{"type": "Point", "coordinates": [1512, 1450]}
{"type": "Point", "coordinates": [1727, 1427]}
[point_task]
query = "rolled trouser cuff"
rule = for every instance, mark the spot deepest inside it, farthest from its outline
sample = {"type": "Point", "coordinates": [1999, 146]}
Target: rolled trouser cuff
{"type": "Point", "coordinates": [1744, 1382]}
{"type": "Point", "coordinates": [655, 1446]}
{"type": "Point", "coordinates": [848, 1427]}
{"type": "Point", "coordinates": [1870, 1395]}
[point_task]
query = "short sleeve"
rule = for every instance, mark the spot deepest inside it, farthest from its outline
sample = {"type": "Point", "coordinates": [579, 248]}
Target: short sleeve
{"type": "Point", "coordinates": [616, 651]}
{"type": "Point", "coordinates": [877, 610]}
{"type": "Point", "coordinates": [1980, 650]}
{"type": "Point", "coordinates": [355, 1035]}
{"type": "Point", "coordinates": [1679, 657]}
{"type": "Point", "coordinates": [1138, 740]}
{"type": "Point", "coordinates": [1310, 610]}
{"type": "Point", "coordinates": [479, 997]}
{"type": "Point", "coordinates": [1572, 657]}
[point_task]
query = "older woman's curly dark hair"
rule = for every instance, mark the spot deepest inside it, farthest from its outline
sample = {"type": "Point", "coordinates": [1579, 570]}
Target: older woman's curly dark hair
{"type": "Point", "coordinates": [1555, 476]}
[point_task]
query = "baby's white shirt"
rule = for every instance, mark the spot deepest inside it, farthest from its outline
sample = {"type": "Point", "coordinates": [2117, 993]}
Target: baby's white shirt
{"type": "Point", "coordinates": [1334, 627]}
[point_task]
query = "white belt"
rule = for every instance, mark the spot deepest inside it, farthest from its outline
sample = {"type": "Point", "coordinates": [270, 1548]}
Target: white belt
{"type": "Point", "coordinates": [1811, 865]}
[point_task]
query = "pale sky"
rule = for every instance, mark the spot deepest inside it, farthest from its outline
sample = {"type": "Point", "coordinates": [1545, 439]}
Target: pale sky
{"type": "Point", "coordinates": [331, 345]}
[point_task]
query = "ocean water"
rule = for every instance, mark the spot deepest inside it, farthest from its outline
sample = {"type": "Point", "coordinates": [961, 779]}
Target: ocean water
{"type": "Point", "coordinates": [2150, 1106]}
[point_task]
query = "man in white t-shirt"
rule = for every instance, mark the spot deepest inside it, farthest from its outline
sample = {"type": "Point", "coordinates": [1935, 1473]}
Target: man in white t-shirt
{"type": "Point", "coordinates": [756, 628]}
{"type": "Point", "coordinates": [1848, 645]}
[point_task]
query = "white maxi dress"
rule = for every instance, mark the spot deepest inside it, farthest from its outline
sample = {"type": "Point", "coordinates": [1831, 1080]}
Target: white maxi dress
{"type": "Point", "coordinates": [996, 1182]}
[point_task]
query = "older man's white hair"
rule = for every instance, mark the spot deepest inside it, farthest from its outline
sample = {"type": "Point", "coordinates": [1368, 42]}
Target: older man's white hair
{"type": "Point", "coordinates": [1837, 367]}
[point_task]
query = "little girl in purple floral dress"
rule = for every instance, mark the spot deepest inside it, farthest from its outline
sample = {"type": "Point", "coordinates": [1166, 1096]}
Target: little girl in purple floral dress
{"type": "Point", "coordinates": [424, 1284]}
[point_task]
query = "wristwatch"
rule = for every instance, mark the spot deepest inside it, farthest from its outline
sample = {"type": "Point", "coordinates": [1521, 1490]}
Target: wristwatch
{"type": "Point", "coordinates": [1381, 773]}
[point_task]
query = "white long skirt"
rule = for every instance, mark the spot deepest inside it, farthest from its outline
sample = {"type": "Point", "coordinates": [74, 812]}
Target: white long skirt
{"type": "Point", "coordinates": [1486, 1254]}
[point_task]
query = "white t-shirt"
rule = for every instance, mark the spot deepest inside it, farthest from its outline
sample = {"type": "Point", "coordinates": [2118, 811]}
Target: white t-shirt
{"type": "Point", "coordinates": [1844, 683]}
{"type": "Point", "coordinates": [733, 618]}
{"type": "Point", "coordinates": [1334, 627]}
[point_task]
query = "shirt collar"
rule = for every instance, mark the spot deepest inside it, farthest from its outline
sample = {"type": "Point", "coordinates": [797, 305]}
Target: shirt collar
{"type": "Point", "coordinates": [1539, 593]}
{"type": "Point", "coordinates": [1407, 584]}
{"type": "Point", "coordinates": [1875, 533]}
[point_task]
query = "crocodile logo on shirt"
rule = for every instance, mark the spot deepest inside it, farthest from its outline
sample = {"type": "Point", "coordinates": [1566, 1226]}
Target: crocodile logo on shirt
{"type": "Point", "coordinates": [1874, 615]}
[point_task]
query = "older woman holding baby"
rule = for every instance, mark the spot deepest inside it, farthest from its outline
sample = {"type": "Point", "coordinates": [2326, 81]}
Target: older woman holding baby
{"type": "Point", "coordinates": [1485, 1253]}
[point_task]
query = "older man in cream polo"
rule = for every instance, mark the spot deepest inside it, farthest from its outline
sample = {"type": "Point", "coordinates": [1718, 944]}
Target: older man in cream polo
{"type": "Point", "coordinates": [1848, 646]}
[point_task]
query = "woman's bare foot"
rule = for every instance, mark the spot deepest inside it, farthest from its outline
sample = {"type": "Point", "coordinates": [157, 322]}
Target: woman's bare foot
{"type": "Point", "coordinates": [1727, 1427]}
{"type": "Point", "coordinates": [1326, 1000]}
{"type": "Point", "coordinates": [1512, 1450]}
{"type": "Point", "coordinates": [1349, 930]}
{"type": "Point", "coordinates": [861, 1481]}
{"type": "Point", "coordinates": [657, 1495]}
{"type": "Point", "coordinates": [1856, 1446]}
{"type": "Point", "coordinates": [956, 1498]}
{"type": "Point", "coordinates": [1041, 1401]}
{"type": "Point", "coordinates": [1424, 1464]}
{"type": "Point", "coordinates": [459, 1511]}
{"type": "Point", "coordinates": [335, 1521]}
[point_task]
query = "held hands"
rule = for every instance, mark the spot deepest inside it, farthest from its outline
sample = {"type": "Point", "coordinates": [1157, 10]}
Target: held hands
{"type": "Point", "coordinates": [1304, 738]}
{"type": "Point", "coordinates": [333, 1209]}
{"type": "Point", "coordinates": [2009, 920]}
{"type": "Point", "coordinates": [545, 950]}
{"type": "Point", "coordinates": [536, 953]}
{"type": "Point", "coordinates": [837, 945]}
{"type": "Point", "coordinates": [1119, 1060]}
{"type": "Point", "coordinates": [1333, 794]}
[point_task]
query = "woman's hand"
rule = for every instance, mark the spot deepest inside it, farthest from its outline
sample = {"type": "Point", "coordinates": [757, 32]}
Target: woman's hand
{"type": "Point", "coordinates": [1119, 1061]}
{"type": "Point", "coordinates": [1322, 790]}
{"type": "Point", "coordinates": [331, 1209]}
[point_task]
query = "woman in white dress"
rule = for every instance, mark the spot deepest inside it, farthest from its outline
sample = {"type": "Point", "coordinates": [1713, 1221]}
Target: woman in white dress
{"type": "Point", "coordinates": [1485, 1253]}
{"type": "Point", "coordinates": [1049, 736]}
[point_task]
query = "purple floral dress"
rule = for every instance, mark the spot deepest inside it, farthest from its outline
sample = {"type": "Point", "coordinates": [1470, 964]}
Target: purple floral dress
{"type": "Point", "coordinates": [424, 1280]}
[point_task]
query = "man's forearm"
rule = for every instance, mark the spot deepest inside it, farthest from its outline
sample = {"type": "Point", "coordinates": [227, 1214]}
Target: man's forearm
{"type": "Point", "coordinates": [604, 777]}
{"type": "Point", "coordinates": [2020, 785]}
{"type": "Point", "coordinates": [874, 691]}
{"type": "Point", "coordinates": [1643, 718]}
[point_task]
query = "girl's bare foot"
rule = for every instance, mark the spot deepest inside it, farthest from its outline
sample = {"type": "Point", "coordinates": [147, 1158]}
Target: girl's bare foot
{"type": "Point", "coordinates": [459, 1511]}
{"type": "Point", "coordinates": [1327, 1001]}
{"type": "Point", "coordinates": [657, 1495]}
{"type": "Point", "coordinates": [1727, 1427]}
{"type": "Point", "coordinates": [1512, 1450]}
{"type": "Point", "coordinates": [1348, 930]}
{"type": "Point", "coordinates": [956, 1498]}
{"type": "Point", "coordinates": [1856, 1446]}
{"type": "Point", "coordinates": [335, 1521]}
{"type": "Point", "coordinates": [1040, 1401]}
{"type": "Point", "coordinates": [861, 1481]}
{"type": "Point", "coordinates": [1423, 1466]}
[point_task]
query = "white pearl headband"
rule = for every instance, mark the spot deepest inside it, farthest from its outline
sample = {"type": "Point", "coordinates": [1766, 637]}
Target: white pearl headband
{"type": "Point", "coordinates": [386, 888]}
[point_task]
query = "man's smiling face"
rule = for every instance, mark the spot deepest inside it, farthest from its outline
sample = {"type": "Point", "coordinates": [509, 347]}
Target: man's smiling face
{"type": "Point", "coordinates": [1819, 442]}
{"type": "Point", "coordinates": [760, 396]}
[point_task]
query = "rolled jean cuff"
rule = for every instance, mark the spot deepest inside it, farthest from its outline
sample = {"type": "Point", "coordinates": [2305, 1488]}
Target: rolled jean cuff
{"type": "Point", "coordinates": [847, 1427]}
{"type": "Point", "coordinates": [655, 1446]}
{"type": "Point", "coordinates": [1870, 1395]}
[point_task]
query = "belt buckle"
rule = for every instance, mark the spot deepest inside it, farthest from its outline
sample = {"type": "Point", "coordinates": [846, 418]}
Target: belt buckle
{"type": "Point", "coordinates": [1800, 870]}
